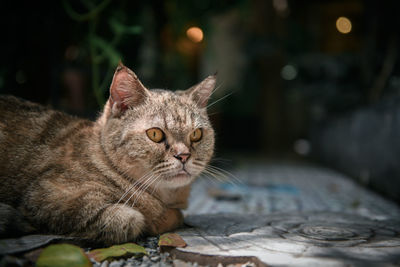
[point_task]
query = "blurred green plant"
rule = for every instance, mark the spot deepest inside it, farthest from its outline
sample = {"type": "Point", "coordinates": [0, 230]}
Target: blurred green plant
{"type": "Point", "coordinates": [101, 51]}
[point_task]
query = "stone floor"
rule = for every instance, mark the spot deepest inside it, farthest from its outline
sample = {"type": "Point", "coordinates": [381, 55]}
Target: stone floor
{"type": "Point", "coordinates": [266, 188]}
{"type": "Point", "coordinates": [281, 214]}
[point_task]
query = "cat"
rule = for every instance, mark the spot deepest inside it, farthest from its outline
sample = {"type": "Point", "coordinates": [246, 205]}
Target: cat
{"type": "Point", "coordinates": [111, 180]}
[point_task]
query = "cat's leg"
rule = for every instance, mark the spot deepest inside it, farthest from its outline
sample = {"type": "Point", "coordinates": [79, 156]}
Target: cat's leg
{"type": "Point", "coordinates": [85, 213]}
{"type": "Point", "coordinates": [88, 213]}
{"type": "Point", "coordinates": [119, 223]}
{"type": "Point", "coordinates": [169, 220]}
{"type": "Point", "coordinates": [159, 218]}
{"type": "Point", "coordinates": [116, 223]}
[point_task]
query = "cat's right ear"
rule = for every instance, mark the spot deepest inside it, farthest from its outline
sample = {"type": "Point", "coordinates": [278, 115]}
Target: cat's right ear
{"type": "Point", "coordinates": [200, 93]}
{"type": "Point", "coordinates": [126, 90]}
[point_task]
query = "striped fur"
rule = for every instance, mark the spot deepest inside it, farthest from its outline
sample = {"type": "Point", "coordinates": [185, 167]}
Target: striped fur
{"type": "Point", "coordinates": [103, 180]}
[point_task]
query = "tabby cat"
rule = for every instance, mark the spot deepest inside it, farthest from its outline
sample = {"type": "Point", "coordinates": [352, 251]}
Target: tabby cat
{"type": "Point", "coordinates": [124, 175]}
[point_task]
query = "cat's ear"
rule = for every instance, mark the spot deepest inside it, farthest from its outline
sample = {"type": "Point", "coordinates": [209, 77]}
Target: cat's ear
{"type": "Point", "coordinates": [126, 90]}
{"type": "Point", "coordinates": [200, 93]}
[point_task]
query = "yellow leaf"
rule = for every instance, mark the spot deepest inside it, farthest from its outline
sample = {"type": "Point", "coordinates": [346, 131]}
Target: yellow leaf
{"type": "Point", "coordinates": [171, 240]}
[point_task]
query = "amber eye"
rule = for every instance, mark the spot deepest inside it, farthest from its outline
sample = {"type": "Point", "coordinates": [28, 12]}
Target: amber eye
{"type": "Point", "coordinates": [155, 135]}
{"type": "Point", "coordinates": [196, 135]}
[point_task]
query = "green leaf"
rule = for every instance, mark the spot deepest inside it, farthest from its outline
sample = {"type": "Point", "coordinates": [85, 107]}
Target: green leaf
{"type": "Point", "coordinates": [120, 28]}
{"type": "Point", "coordinates": [107, 49]}
{"type": "Point", "coordinates": [171, 240]}
{"type": "Point", "coordinates": [133, 29]}
{"type": "Point", "coordinates": [63, 255]}
{"type": "Point", "coordinates": [127, 249]}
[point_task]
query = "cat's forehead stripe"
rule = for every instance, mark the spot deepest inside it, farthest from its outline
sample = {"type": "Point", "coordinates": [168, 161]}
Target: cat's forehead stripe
{"type": "Point", "coordinates": [172, 112]}
{"type": "Point", "coordinates": [177, 119]}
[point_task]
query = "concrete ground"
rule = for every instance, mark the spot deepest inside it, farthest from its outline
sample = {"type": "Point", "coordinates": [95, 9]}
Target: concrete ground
{"type": "Point", "coordinates": [288, 214]}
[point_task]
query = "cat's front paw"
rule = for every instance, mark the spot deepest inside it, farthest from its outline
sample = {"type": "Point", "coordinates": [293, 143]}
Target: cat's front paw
{"type": "Point", "coordinates": [118, 224]}
{"type": "Point", "coordinates": [169, 220]}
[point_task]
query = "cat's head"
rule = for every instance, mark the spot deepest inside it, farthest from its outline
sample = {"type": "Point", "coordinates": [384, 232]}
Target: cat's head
{"type": "Point", "coordinates": [157, 136]}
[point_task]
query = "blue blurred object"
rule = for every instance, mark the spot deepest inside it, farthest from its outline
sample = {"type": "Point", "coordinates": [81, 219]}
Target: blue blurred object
{"type": "Point", "coordinates": [268, 188]}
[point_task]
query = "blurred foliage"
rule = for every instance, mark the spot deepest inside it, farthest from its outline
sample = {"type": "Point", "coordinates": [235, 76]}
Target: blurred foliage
{"type": "Point", "coordinates": [64, 53]}
{"type": "Point", "coordinates": [165, 21]}
{"type": "Point", "coordinates": [102, 51]}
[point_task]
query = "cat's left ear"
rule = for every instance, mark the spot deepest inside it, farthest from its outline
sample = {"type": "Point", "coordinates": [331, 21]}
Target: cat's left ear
{"type": "Point", "coordinates": [200, 93]}
{"type": "Point", "coordinates": [126, 90]}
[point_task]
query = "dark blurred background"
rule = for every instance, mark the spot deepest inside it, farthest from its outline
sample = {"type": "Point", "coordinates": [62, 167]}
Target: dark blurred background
{"type": "Point", "coordinates": [314, 80]}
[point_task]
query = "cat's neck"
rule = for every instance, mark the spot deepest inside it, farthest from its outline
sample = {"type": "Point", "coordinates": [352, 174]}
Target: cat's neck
{"type": "Point", "coordinates": [174, 197]}
{"type": "Point", "coordinates": [101, 160]}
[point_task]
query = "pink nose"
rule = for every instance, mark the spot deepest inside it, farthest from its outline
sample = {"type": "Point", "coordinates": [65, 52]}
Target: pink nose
{"type": "Point", "coordinates": [183, 157]}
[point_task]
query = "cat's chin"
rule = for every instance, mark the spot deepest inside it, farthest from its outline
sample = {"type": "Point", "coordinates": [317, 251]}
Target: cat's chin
{"type": "Point", "coordinates": [179, 179]}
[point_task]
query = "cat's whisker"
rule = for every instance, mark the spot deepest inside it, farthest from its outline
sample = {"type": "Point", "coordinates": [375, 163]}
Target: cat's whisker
{"type": "Point", "coordinates": [216, 88]}
{"type": "Point", "coordinates": [224, 160]}
{"type": "Point", "coordinates": [219, 174]}
{"type": "Point", "coordinates": [208, 174]}
{"type": "Point", "coordinates": [211, 177]}
{"type": "Point", "coordinates": [213, 91]}
{"type": "Point", "coordinates": [131, 187]}
{"type": "Point", "coordinates": [213, 173]}
{"type": "Point", "coordinates": [218, 100]}
{"type": "Point", "coordinates": [218, 178]}
{"type": "Point", "coordinates": [154, 188]}
{"type": "Point", "coordinates": [227, 173]}
{"type": "Point", "coordinates": [140, 188]}
{"type": "Point", "coordinates": [214, 113]}
{"type": "Point", "coordinates": [145, 185]}
{"type": "Point", "coordinates": [198, 168]}
{"type": "Point", "coordinates": [137, 182]}
{"type": "Point", "coordinates": [139, 196]}
{"type": "Point", "coordinates": [112, 212]}
{"type": "Point", "coordinates": [144, 189]}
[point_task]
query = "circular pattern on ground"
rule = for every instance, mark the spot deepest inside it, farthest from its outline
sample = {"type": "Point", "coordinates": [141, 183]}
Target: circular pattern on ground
{"type": "Point", "coordinates": [306, 238]}
{"type": "Point", "coordinates": [330, 234]}
{"type": "Point", "coordinates": [327, 233]}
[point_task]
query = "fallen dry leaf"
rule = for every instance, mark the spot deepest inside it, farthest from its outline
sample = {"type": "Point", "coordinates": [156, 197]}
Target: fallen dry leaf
{"type": "Point", "coordinates": [116, 251]}
{"type": "Point", "coordinates": [171, 240]}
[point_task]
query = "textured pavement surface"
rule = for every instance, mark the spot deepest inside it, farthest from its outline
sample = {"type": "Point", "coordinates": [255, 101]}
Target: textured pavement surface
{"type": "Point", "coordinates": [282, 214]}
{"type": "Point", "coordinates": [287, 187]}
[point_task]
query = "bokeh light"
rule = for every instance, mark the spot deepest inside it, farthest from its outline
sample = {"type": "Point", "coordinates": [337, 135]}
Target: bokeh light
{"type": "Point", "coordinates": [302, 147]}
{"type": "Point", "coordinates": [195, 34]}
{"type": "Point", "coordinates": [289, 72]}
{"type": "Point", "coordinates": [343, 25]}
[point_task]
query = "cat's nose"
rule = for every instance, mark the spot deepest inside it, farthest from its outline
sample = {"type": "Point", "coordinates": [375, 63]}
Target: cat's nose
{"type": "Point", "coordinates": [183, 157]}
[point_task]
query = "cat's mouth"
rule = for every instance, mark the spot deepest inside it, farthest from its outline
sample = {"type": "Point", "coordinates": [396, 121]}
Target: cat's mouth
{"type": "Point", "coordinates": [181, 174]}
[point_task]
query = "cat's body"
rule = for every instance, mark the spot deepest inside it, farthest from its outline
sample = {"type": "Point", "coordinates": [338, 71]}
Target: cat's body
{"type": "Point", "coordinates": [109, 180]}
